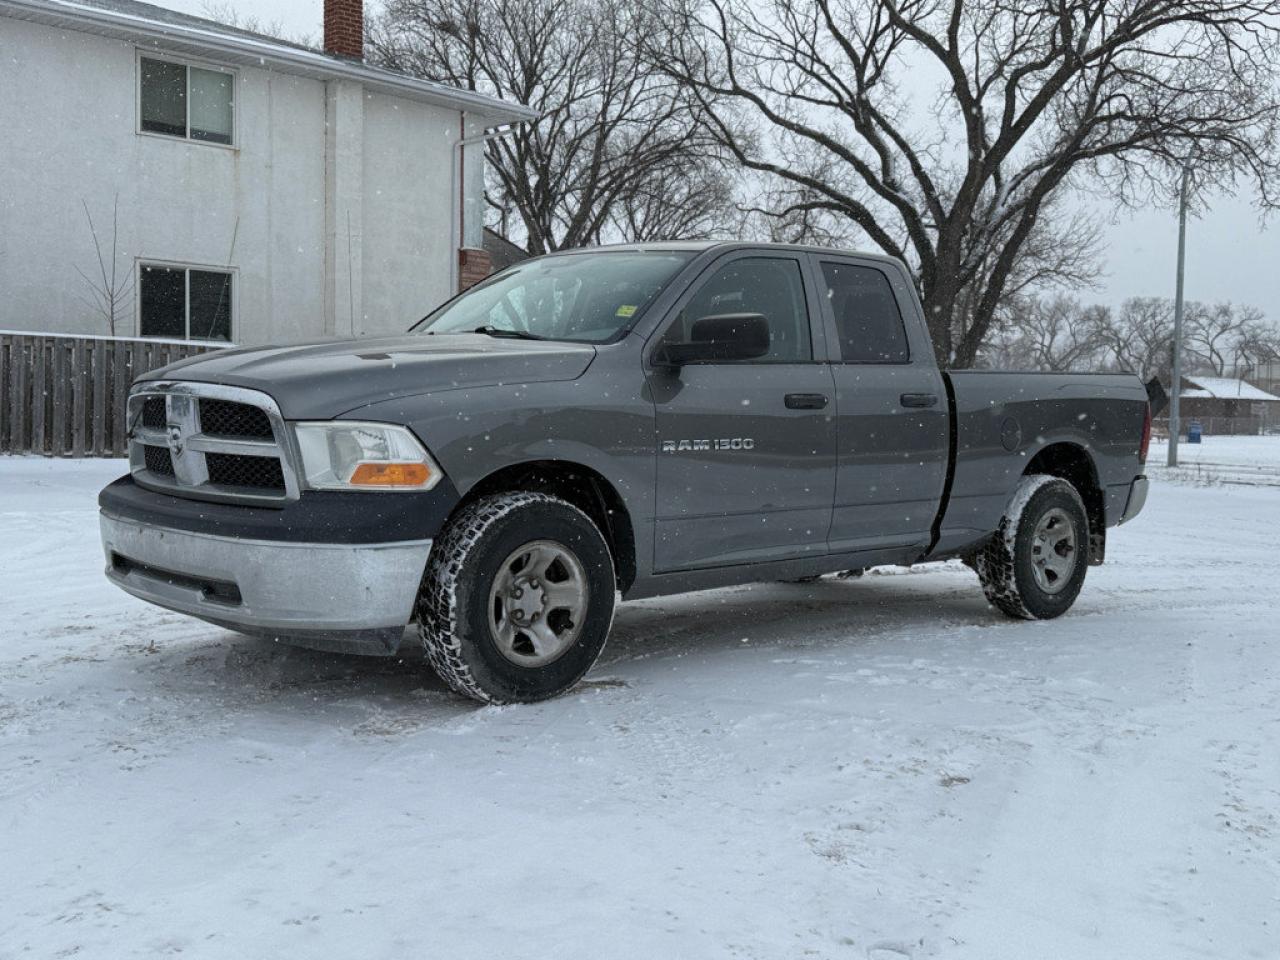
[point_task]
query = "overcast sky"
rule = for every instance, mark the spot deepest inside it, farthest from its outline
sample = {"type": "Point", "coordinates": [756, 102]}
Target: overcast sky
{"type": "Point", "coordinates": [1229, 255]}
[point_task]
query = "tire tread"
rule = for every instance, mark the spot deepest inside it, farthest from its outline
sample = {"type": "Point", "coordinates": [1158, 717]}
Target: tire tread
{"type": "Point", "coordinates": [437, 608]}
{"type": "Point", "coordinates": [996, 563]}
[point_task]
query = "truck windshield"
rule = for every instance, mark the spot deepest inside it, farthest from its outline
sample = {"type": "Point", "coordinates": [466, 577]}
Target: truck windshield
{"type": "Point", "coordinates": [587, 297]}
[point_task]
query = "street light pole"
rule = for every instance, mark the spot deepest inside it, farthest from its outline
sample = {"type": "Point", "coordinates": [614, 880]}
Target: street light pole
{"type": "Point", "coordinates": [1175, 425]}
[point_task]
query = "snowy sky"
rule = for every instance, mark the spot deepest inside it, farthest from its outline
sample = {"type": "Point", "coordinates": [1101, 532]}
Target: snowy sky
{"type": "Point", "coordinates": [1230, 256]}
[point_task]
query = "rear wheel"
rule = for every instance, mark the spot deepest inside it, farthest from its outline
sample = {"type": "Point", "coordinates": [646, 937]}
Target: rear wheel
{"type": "Point", "coordinates": [517, 599]}
{"type": "Point", "coordinates": [1035, 565]}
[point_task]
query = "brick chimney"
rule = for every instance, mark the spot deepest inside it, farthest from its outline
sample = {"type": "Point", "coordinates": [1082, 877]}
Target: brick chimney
{"type": "Point", "coordinates": [344, 28]}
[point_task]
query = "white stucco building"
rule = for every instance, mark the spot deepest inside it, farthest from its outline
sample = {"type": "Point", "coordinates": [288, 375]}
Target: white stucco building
{"type": "Point", "coordinates": [265, 192]}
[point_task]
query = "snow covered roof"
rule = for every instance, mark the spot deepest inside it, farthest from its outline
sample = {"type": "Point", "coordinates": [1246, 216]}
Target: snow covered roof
{"type": "Point", "coordinates": [139, 22]}
{"type": "Point", "coordinates": [1225, 388]}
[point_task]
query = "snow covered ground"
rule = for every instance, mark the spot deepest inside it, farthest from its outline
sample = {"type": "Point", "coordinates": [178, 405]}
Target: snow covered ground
{"type": "Point", "coordinates": [1242, 460]}
{"type": "Point", "coordinates": [872, 769]}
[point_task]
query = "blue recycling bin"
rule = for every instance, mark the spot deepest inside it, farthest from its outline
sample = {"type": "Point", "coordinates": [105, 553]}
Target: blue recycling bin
{"type": "Point", "coordinates": [1194, 431]}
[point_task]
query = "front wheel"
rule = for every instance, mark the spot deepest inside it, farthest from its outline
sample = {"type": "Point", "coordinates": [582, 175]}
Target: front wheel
{"type": "Point", "coordinates": [1035, 565]}
{"type": "Point", "coordinates": [517, 599]}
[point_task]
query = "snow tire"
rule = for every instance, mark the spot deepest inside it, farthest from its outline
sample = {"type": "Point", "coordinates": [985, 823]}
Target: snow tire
{"type": "Point", "coordinates": [1005, 564]}
{"type": "Point", "coordinates": [452, 606]}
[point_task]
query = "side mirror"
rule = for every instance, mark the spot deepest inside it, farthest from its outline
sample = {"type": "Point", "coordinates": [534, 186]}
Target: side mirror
{"type": "Point", "coordinates": [719, 338]}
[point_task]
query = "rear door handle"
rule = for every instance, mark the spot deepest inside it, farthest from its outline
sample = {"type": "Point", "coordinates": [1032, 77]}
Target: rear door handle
{"type": "Point", "coordinates": [806, 401]}
{"type": "Point", "coordinates": [919, 399]}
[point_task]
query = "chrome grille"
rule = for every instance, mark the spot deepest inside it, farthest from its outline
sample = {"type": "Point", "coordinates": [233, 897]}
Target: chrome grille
{"type": "Point", "coordinates": [210, 442]}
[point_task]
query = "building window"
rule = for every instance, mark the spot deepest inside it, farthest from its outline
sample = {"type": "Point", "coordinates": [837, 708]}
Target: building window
{"type": "Point", "coordinates": [194, 103]}
{"type": "Point", "coordinates": [184, 303]}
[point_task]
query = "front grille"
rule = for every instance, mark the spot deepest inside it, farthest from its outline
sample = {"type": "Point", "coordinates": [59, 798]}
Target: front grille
{"type": "Point", "coordinates": [238, 470]}
{"type": "Point", "coordinates": [158, 460]}
{"type": "Point", "coordinates": [153, 413]}
{"type": "Point", "coordinates": [225, 418]}
{"type": "Point", "coordinates": [210, 442]}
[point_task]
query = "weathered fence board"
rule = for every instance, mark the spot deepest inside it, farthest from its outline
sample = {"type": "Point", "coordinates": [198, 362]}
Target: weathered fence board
{"type": "Point", "coordinates": [65, 396]}
{"type": "Point", "coordinates": [39, 379]}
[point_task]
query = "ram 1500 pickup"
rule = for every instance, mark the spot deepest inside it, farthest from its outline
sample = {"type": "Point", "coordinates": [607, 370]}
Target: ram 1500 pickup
{"type": "Point", "coordinates": [633, 421]}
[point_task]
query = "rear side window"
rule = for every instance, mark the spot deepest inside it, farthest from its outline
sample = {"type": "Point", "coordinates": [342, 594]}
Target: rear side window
{"type": "Point", "coordinates": [867, 315]}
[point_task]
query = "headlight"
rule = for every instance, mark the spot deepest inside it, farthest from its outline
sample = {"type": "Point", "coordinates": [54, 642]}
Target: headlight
{"type": "Point", "coordinates": [363, 456]}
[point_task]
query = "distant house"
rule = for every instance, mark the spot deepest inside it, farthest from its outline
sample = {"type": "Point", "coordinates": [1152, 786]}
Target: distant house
{"type": "Point", "coordinates": [1227, 405]}
{"type": "Point", "coordinates": [267, 192]}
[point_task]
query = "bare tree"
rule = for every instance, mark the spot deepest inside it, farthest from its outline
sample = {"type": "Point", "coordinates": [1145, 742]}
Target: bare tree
{"type": "Point", "coordinates": [689, 200]}
{"type": "Point", "coordinates": [111, 292]}
{"type": "Point", "coordinates": [1050, 333]}
{"type": "Point", "coordinates": [1139, 336]}
{"type": "Point", "coordinates": [617, 151]}
{"type": "Point", "coordinates": [1258, 345]}
{"type": "Point", "coordinates": [1215, 333]}
{"type": "Point", "coordinates": [225, 13]}
{"type": "Point", "coordinates": [1221, 339]}
{"type": "Point", "coordinates": [1036, 98]}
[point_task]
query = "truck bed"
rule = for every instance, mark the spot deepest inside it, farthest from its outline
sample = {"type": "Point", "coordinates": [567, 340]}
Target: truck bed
{"type": "Point", "coordinates": [1002, 420]}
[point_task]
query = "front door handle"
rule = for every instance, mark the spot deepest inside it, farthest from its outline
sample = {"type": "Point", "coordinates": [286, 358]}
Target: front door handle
{"type": "Point", "coordinates": [806, 401]}
{"type": "Point", "coordinates": [919, 399]}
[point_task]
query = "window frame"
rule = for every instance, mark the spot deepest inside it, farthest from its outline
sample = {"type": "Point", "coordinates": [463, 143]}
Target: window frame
{"type": "Point", "coordinates": [186, 63]}
{"type": "Point", "coordinates": [833, 324]}
{"type": "Point", "coordinates": [141, 263]}
{"type": "Point", "coordinates": [693, 286]}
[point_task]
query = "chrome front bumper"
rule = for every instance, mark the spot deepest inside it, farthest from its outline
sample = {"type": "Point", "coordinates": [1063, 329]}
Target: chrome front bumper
{"type": "Point", "coordinates": [1137, 499]}
{"type": "Point", "coordinates": [350, 597]}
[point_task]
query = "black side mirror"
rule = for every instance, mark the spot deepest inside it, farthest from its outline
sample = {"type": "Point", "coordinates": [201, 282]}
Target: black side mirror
{"type": "Point", "coordinates": [717, 339]}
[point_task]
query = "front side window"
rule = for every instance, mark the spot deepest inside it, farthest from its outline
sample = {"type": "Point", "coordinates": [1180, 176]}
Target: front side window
{"type": "Point", "coordinates": [586, 297]}
{"type": "Point", "coordinates": [867, 316]}
{"type": "Point", "coordinates": [194, 103]}
{"type": "Point", "coordinates": [769, 286]}
{"type": "Point", "coordinates": [184, 303]}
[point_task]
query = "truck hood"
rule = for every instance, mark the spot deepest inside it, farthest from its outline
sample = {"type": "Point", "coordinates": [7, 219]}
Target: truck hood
{"type": "Point", "coordinates": [326, 379]}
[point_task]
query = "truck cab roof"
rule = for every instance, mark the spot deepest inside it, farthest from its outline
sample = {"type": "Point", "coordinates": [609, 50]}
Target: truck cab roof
{"type": "Point", "coordinates": [723, 246]}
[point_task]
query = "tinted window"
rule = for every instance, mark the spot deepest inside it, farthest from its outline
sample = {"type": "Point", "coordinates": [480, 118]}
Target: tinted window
{"type": "Point", "coordinates": [867, 315]}
{"type": "Point", "coordinates": [768, 286]}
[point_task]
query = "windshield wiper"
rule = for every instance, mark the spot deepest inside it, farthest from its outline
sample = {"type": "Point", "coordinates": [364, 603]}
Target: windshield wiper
{"type": "Point", "coordinates": [492, 331]}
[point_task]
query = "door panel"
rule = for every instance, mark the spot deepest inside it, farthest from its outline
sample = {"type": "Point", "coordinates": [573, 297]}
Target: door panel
{"type": "Point", "coordinates": [745, 474]}
{"type": "Point", "coordinates": [740, 476]}
{"type": "Point", "coordinates": [892, 422]}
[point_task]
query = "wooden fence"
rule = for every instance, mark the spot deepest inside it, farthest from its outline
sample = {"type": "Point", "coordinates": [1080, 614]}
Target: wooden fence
{"type": "Point", "coordinates": [64, 396]}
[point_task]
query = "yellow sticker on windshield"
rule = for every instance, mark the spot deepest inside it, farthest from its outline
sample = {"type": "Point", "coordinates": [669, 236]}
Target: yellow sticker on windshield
{"type": "Point", "coordinates": [628, 310]}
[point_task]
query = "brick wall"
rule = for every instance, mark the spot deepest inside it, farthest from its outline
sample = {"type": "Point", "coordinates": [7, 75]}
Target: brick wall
{"type": "Point", "coordinates": [344, 28]}
{"type": "Point", "coordinates": [473, 266]}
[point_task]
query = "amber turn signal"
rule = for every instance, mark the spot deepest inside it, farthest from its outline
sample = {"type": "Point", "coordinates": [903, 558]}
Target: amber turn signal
{"type": "Point", "coordinates": [390, 475]}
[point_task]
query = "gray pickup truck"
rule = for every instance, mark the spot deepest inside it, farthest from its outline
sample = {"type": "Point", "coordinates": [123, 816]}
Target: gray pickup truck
{"type": "Point", "coordinates": [633, 420]}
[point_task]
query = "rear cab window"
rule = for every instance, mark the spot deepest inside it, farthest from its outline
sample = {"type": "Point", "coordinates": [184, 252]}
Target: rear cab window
{"type": "Point", "coordinates": [868, 322]}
